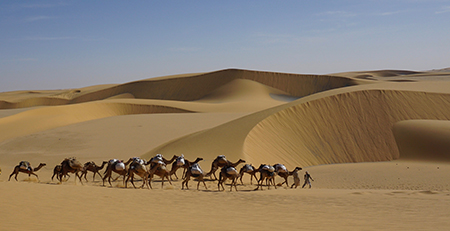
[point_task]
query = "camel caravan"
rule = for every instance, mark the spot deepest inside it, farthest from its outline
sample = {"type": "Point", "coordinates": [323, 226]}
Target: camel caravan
{"type": "Point", "coordinates": [158, 165]}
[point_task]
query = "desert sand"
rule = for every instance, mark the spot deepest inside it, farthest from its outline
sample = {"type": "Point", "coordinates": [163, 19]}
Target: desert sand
{"type": "Point", "coordinates": [375, 142]}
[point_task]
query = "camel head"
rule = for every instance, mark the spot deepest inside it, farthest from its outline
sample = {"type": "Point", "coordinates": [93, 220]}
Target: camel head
{"type": "Point", "coordinates": [297, 168]}
{"type": "Point", "coordinates": [198, 159]}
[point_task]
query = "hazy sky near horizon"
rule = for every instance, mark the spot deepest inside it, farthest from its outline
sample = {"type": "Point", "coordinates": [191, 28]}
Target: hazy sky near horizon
{"type": "Point", "coordinates": [71, 44]}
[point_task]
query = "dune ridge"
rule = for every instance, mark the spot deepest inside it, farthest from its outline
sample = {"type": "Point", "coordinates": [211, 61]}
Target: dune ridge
{"type": "Point", "coordinates": [344, 128]}
{"type": "Point", "coordinates": [51, 117]}
{"type": "Point", "coordinates": [183, 88]}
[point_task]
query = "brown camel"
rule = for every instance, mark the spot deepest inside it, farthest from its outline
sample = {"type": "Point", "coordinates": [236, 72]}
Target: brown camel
{"type": "Point", "coordinates": [194, 170]}
{"type": "Point", "coordinates": [137, 167]}
{"type": "Point", "coordinates": [117, 166]}
{"type": "Point", "coordinates": [228, 172]}
{"type": "Point", "coordinates": [181, 162]}
{"type": "Point", "coordinates": [159, 169]}
{"type": "Point", "coordinates": [57, 172]}
{"type": "Point", "coordinates": [25, 167]}
{"type": "Point", "coordinates": [249, 169]}
{"type": "Point", "coordinates": [220, 162]}
{"type": "Point", "coordinates": [267, 173]}
{"type": "Point", "coordinates": [160, 157]}
{"type": "Point", "coordinates": [70, 165]}
{"type": "Point", "coordinates": [92, 167]}
{"type": "Point", "coordinates": [282, 171]}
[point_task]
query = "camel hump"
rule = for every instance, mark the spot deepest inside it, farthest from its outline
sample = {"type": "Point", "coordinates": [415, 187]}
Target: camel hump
{"type": "Point", "coordinates": [268, 168]}
{"type": "Point", "coordinates": [196, 170]}
{"type": "Point", "coordinates": [232, 171]}
{"type": "Point", "coordinates": [180, 160]}
{"type": "Point", "coordinates": [248, 168]}
{"type": "Point", "coordinates": [119, 166]}
{"type": "Point", "coordinates": [74, 163]}
{"type": "Point", "coordinates": [157, 159]}
{"type": "Point", "coordinates": [280, 168]}
{"type": "Point", "coordinates": [221, 159]}
{"type": "Point", "coordinates": [138, 160]}
{"type": "Point", "coordinates": [25, 165]}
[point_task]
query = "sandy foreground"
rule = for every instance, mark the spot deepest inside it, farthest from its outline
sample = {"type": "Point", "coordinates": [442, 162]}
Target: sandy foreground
{"type": "Point", "coordinates": [375, 143]}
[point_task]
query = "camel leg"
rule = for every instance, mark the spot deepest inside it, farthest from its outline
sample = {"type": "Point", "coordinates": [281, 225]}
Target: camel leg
{"type": "Point", "coordinates": [240, 178]}
{"type": "Point", "coordinates": [185, 182]}
{"type": "Point", "coordinates": [79, 177]}
{"type": "Point", "coordinates": [132, 180]}
{"type": "Point", "coordinates": [126, 181]}
{"type": "Point", "coordinates": [170, 182]}
{"type": "Point", "coordinates": [150, 182]}
{"type": "Point", "coordinates": [32, 173]}
{"type": "Point", "coordinates": [109, 181]}
{"type": "Point", "coordinates": [144, 181]}
{"type": "Point", "coordinates": [184, 172]}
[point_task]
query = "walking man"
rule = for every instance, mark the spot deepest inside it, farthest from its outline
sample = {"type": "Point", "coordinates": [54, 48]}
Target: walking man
{"type": "Point", "coordinates": [307, 179]}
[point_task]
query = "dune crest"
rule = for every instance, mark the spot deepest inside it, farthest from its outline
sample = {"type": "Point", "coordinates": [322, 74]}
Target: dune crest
{"type": "Point", "coordinates": [180, 87]}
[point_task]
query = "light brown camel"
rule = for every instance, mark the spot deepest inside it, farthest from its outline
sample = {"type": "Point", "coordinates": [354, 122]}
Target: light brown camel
{"type": "Point", "coordinates": [117, 166]}
{"type": "Point", "coordinates": [70, 165]}
{"type": "Point", "coordinates": [138, 167]}
{"type": "Point", "coordinates": [267, 173]}
{"type": "Point", "coordinates": [296, 177]}
{"type": "Point", "coordinates": [25, 167]}
{"type": "Point", "coordinates": [228, 172]}
{"type": "Point", "coordinates": [194, 170]}
{"type": "Point", "coordinates": [181, 162]}
{"type": "Point", "coordinates": [159, 169]}
{"type": "Point", "coordinates": [249, 169]}
{"type": "Point", "coordinates": [92, 167]}
{"type": "Point", "coordinates": [160, 157]}
{"type": "Point", "coordinates": [57, 172]}
{"type": "Point", "coordinates": [220, 162]}
{"type": "Point", "coordinates": [282, 171]}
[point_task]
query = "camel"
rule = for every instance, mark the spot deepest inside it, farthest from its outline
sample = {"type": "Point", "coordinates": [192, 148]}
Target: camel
{"type": "Point", "coordinates": [249, 169]}
{"type": "Point", "coordinates": [220, 162]}
{"type": "Point", "coordinates": [91, 166]}
{"type": "Point", "coordinates": [117, 166]}
{"type": "Point", "coordinates": [267, 173]}
{"type": "Point", "coordinates": [228, 172]}
{"type": "Point", "coordinates": [70, 165]}
{"type": "Point", "coordinates": [284, 173]}
{"type": "Point", "coordinates": [296, 177]}
{"type": "Point", "coordinates": [196, 172]}
{"type": "Point", "coordinates": [181, 162]}
{"type": "Point", "coordinates": [137, 167]}
{"type": "Point", "coordinates": [158, 168]}
{"type": "Point", "coordinates": [25, 167]}
{"type": "Point", "coordinates": [57, 172]}
{"type": "Point", "coordinates": [160, 157]}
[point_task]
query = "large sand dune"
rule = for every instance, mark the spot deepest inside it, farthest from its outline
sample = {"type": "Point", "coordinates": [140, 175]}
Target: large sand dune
{"type": "Point", "coordinates": [395, 121]}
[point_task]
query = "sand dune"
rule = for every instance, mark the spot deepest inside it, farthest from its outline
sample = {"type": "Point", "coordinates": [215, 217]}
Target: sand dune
{"type": "Point", "coordinates": [423, 139]}
{"type": "Point", "coordinates": [375, 142]}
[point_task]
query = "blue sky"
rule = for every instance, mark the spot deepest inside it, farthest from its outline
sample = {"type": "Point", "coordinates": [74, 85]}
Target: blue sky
{"type": "Point", "coordinates": [71, 44]}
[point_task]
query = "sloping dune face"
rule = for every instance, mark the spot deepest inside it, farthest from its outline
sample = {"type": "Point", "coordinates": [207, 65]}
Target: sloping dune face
{"type": "Point", "coordinates": [354, 126]}
{"type": "Point", "coordinates": [423, 139]}
{"type": "Point", "coordinates": [51, 117]}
